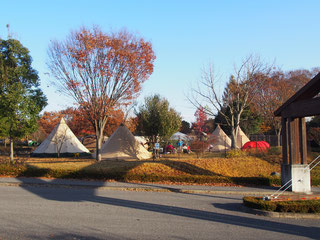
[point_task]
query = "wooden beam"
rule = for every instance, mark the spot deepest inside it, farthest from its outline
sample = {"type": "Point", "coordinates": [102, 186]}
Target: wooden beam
{"type": "Point", "coordinates": [311, 89]}
{"type": "Point", "coordinates": [305, 108]}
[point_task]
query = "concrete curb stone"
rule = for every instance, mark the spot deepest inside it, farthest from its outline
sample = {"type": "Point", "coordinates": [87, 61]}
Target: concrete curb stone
{"type": "Point", "coordinates": [281, 214]}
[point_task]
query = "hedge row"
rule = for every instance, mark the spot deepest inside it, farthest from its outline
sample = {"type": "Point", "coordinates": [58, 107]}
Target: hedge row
{"type": "Point", "coordinates": [122, 175]}
{"type": "Point", "coordinates": [307, 206]}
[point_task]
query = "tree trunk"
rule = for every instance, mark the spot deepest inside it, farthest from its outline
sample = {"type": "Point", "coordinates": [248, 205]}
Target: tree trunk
{"type": "Point", "coordinates": [233, 134]}
{"type": "Point", "coordinates": [58, 149]}
{"type": "Point", "coordinates": [11, 151]}
{"type": "Point", "coordinates": [99, 137]}
{"type": "Point", "coordinates": [233, 139]}
{"type": "Point", "coordinates": [99, 126]}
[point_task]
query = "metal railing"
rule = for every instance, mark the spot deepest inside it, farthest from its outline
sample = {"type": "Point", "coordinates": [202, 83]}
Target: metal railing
{"type": "Point", "coordinates": [286, 186]}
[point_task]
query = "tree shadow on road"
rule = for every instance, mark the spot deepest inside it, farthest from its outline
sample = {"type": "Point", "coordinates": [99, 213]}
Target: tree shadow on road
{"type": "Point", "coordinates": [178, 190]}
{"type": "Point", "coordinates": [88, 193]}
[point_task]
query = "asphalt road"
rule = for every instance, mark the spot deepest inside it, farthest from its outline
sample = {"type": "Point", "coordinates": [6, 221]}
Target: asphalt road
{"type": "Point", "coordinates": [42, 212]}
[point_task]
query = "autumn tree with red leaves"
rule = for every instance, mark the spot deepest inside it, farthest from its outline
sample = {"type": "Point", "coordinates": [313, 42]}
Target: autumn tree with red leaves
{"type": "Point", "coordinates": [77, 121]}
{"type": "Point", "coordinates": [49, 120]}
{"type": "Point", "coordinates": [101, 71]}
{"type": "Point", "coordinates": [201, 118]}
{"type": "Point", "coordinates": [79, 124]}
{"type": "Point", "coordinates": [75, 118]}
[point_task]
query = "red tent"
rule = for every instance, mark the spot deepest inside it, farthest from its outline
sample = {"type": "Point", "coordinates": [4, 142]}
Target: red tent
{"type": "Point", "coordinates": [258, 145]}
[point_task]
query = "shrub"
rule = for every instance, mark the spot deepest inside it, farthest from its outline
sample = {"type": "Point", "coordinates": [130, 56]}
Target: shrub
{"type": "Point", "coordinates": [236, 153]}
{"type": "Point", "coordinates": [275, 151]}
{"type": "Point", "coordinates": [8, 169]}
{"type": "Point", "coordinates": [272, 151]}
{"type": "Point", "coordinates": [199, 147]}
{"type": "Point", "coordinates": [307, 206]}
{"type": "Point", "coordinates": [259, 203]}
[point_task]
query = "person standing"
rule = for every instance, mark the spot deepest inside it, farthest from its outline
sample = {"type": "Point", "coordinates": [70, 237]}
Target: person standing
{"type": "Point", "coordinates": [179, 145]}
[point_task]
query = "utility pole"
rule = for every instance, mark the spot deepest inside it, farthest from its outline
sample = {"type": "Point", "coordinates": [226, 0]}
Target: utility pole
{"type": "Point", "coordinates": [8, 27]}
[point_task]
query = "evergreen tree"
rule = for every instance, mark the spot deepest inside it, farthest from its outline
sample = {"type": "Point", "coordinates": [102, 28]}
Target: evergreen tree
{"type": "Point", "coordinates": [185, 127]}
{"type": "Point", "coordinates": [156, 120]}
{"type": "Point", "coordinates": [21, 99]}
{"type": "Point", "coordinates": [250, 121]}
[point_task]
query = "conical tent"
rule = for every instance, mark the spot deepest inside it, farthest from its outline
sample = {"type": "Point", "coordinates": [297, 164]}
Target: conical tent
{"type": "Point", "coordinates": [61, 140]}
{"type": "Point", "coordinates": [123, 145]}
{"type": "Point", "coordinates": [221, 140]}
{"type": "Point", "coordinates": [241, 138]}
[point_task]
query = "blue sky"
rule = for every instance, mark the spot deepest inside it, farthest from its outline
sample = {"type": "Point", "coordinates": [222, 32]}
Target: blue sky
{"type": "Point", "coordinates": [186, 35]}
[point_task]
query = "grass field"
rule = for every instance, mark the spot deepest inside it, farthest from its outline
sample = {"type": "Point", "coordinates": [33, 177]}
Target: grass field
{"type": "Point", "coordinates": [185, 169]}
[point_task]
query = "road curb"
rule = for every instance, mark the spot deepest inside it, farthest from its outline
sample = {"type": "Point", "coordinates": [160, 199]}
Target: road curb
{"type": "Point", "coordinates": [141, 189]}
{"type": "Point", "coordinates": [281, 214]}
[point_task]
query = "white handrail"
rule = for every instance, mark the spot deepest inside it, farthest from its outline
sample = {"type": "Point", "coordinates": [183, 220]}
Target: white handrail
{"type": "Point", "coordinates": [290, 181]}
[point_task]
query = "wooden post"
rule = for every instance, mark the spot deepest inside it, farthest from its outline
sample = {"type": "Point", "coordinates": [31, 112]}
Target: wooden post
{"type": "Point", "coordinates": [303, 141]}
{"type": "Point", "coordinates": [294, 141]}
{"type": "Point", "coordinates": [285, 142]}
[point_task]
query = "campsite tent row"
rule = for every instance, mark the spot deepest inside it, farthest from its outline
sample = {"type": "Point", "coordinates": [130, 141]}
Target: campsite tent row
{"type": "Point", "coordinates": [223, 142]}
{"type": "Point", "coordinates": [120, 145]}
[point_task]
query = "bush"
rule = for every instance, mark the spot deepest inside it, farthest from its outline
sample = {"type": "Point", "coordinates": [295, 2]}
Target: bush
{"type": "Point", "coordinates": [236, 153]}
{"type": "Point", "coordinates": [307, 206]}
{"type": "Point", "coordinates": [275, 150]}
{"type": "Point", "coordinates": [199, 147]}
{"type": "Point", "coordinates": [259, 181]}
{"type": "Point", "coordinates": [272, 151]}
{"type": "Point", "coordinates": [8, 169]}
{"type": "Point", "coordinates": [258, 203]}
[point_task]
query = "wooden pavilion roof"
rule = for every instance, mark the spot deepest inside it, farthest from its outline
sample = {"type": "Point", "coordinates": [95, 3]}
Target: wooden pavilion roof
{"type": "Point", "coordinates": [304, 103]}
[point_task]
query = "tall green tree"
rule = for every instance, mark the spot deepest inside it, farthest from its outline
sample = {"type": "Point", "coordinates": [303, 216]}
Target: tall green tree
{"type": "Point", "coordinates": [185, 127]}
{"type": "Point", "coordinates": [156, 120]}
{"type": "Point", "coordinates": [21, 99]}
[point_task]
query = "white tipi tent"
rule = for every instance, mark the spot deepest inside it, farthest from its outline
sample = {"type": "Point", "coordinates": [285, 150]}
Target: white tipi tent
{"type": "Point", "coordinates": [61, 140]}
{"type": "Point", "coordinates": [241, 138]}
{"type": "Point", "coordinates": [123, 145]}
{"type": "Point", "coordinates": [221, 140]}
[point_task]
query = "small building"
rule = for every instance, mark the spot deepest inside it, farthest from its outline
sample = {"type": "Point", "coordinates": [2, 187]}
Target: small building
{"type": "Point", "coordinates": [305, 103]}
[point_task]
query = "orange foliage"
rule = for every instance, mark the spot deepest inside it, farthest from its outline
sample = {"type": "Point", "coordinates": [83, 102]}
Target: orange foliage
{"type": "Point", "coordinates": [201, 118]}
{"type": "Point", "coordinates": [79, 123]}
{"type": "Point", "coordinates": [101, 72]}
{"type": "Point", "coordinates": [75, 118]}
{"type": "Point", "coordinates": [132, 124]}
{"type": "Point", "coordinates": [49, 120]}
{"type": "Point", "coordinates": [114, 120]}
{"type": "Point", "coordinates": [273, 89]}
